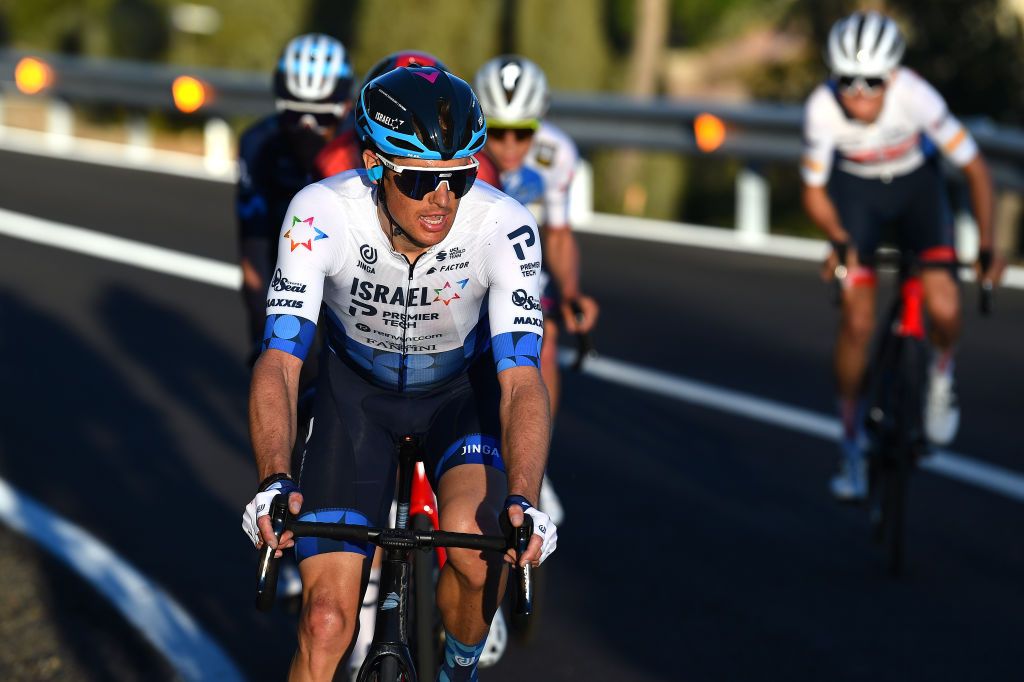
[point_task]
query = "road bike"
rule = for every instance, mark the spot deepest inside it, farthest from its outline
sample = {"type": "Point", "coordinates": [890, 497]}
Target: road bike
{"type": "Point", "coordinates": [893, 391]}
{"type": "Point", "coordinates": [405, 579]}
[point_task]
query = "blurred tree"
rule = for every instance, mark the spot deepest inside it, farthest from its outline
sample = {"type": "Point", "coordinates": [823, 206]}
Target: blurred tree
{"type": "Point", "coordinates": [462, 34]}
{"type": "Point", "coordinates": [139, 29]}
{"type": "Point", "coordinates": [338, 19]}
{"type": "Point", "coordinates": [567, 39]}
{"type": "Point", "coordinates": [971, 51]}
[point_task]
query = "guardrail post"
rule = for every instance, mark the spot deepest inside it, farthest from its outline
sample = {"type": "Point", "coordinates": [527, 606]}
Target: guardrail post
{"type": "Point", "coordinates": [60, 125]}
{"type": "Point", "coordinates": [752, 205]}
{"type": "Point", "coordinates": [581, 194]}
{"type": "Point", "coordinates": [217, 146]}
{"type": "Point", "coordinates": [966, 236]}
{"type": "Point", "coordinates": [140, 141]}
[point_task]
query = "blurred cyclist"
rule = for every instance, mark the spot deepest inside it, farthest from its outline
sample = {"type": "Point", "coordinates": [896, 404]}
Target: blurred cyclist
{"type": "Point", "coordinates": [533, 161]}
{"type": "Point", "coordinates": [313, 89]}
{"type": "Point", "coordinates": [881, 125]}
{"type": "Point", "coordinates": [344, 152]}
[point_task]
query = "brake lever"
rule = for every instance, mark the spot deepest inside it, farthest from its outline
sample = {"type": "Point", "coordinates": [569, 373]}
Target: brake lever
{"type": "Point", "coordinates": [269, 563]}
{"type": "Point", "coordinates": [584, 346]}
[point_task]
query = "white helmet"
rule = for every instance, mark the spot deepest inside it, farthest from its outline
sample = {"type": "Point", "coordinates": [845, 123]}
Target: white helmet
{"type": "Point", "coordinates": [314, 73]}
{"type": "Point", "coordinates": [864, 44]}
{"type": "Point", "coordinates": [512, 91]}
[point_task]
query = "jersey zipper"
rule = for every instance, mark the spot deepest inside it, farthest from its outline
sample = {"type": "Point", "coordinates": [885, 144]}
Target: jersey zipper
{"type": "Point", "coordinates": [405, 320]}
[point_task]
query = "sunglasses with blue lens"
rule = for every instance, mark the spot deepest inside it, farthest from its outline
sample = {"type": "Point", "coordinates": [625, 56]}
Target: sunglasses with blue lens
{"type": "Point", "coordinates": [417, 182]}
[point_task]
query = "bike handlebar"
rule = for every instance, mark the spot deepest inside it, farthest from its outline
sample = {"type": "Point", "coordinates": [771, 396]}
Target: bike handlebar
{"type": "Point", "coordinates": [895, 258]}
{"type": "Point", "coordinates": [394, 538]}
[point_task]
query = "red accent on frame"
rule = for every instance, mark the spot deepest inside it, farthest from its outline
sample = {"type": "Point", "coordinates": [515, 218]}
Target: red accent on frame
{"type": "Point", "coordinates": [912, 318]}
{"type": "Point", "coordinates": [423, 501]}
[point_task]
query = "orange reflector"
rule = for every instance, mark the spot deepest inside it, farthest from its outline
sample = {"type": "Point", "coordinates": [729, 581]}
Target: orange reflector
{"type": "Point", "coordinates": [709, 131]}
{"type": "Point", "coordinates": [32, 75]}
{"type": "Point", "coordinates": [189, 93]}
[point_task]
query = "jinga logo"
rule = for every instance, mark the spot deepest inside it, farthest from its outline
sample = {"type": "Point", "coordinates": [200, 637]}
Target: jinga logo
{"type": "Point", "coordinates": [368, 254]}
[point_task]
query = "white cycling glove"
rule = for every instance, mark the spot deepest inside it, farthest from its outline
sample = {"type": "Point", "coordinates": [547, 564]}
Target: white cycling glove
{"type": "Point", "coordinates": [542, 525]}
{"type": "Point", "coordinates": [260, 506]}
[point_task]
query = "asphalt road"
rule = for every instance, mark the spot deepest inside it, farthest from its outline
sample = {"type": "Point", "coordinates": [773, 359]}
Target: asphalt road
{"type": "Point", "coordinates": [698, 545]}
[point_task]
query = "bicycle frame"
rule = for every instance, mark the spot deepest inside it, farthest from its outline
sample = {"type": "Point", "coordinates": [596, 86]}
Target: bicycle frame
{"type": "Point", "coordinates": [390, 646]}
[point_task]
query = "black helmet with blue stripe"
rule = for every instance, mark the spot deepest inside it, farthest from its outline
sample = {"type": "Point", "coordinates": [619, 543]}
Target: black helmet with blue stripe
{"type": "Point", "coordinates": [422, 113]}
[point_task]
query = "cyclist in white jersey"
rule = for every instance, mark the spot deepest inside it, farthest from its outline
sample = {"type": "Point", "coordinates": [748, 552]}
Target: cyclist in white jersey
{"type": "Point", "coordinates": [533, 161]}
{"type": "Point", "coordinates": [422, 276]}
{"type": "Point", "coordinates": [871, 133]}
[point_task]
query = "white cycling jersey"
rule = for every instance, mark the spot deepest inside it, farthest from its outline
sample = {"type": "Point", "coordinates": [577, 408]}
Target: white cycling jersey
{"type": "Point", "coordinates": [408, 327]}
{"type": "Point", "coordinates": [892, 145]}
{"type": "Point", "coordinates": [542, 182]}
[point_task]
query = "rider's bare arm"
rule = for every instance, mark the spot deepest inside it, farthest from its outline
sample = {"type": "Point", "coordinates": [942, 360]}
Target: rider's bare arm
{"type": "Point", "coordinates": [272, 408]}
{"type": "Point", "coordinates": [525, 426]}
{"type": "Point", "coordinates": [979, 185]}
{"type": "Point", "coordinates": [562, 257]}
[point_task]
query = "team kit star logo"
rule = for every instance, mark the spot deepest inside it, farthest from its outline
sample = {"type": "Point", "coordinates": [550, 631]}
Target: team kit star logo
{"type": "Point", "coordinates": [447, 293]}
{"type": "Point", "coordinates": [303, 235]}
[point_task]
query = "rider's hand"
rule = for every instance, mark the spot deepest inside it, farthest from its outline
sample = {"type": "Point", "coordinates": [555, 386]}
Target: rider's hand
{"type": "Point", "coordinates": [828, 268]}
{"type": "Point", "coordinates": [990, 266]}
{"type": "Point", "coordinates": [545, 533]}
{"type": "Point", "coordinates": [588, 314]}
{"type": "Point", "coordinates": [256, 518]}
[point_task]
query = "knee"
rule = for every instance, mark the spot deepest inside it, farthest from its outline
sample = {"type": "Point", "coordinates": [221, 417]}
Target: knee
{"type": "Point", "coordinates": [858, 326]}
{"type": "Point", "coordinates": [470, 565]}
{"type": "Point", "coordinates": [325, 625]}
{"type": "Point", "coordinates": [944, 311]}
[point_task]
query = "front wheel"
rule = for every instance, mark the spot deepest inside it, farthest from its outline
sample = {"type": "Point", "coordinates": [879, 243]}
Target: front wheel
{"type": "Point", "coordinates": [426, 620]}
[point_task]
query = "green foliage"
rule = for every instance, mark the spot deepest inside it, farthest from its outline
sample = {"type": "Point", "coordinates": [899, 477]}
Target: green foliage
{"type": "Point", "coordinates": [567, 40]}
{"type": "Point", "coordinates": [462, 34]}
{"type": "Point", "coordinates": [971, 51]}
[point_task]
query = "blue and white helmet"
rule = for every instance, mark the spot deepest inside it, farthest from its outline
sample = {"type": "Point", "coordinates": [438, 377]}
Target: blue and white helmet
{"type": "Point", "coordinates": [865, 44]}
{"type": "Point", "coordinates": [314, 75]}
{"type": "Point", "coordinates": [422, 113]}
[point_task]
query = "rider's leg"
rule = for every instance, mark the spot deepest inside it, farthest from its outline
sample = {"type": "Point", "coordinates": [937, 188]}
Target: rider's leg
{"type": "Point", "coordinates": [330, 604]}
{"type": "Point", "coordinates": [851, 351]}
{"type": "Point", "coordinates": [469, 588]}
{"type": "Point", "coordinates": [549, 363]}
{"type": "Point", "coordinates": [942, 304]}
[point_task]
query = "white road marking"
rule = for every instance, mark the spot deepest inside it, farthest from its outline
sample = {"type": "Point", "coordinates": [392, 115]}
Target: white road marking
{"type": "Point", "coordinates": [120, 250]}
{"type": "Point", "coordinates": [189, 650]}
{"type": "Point", "coordinates": [226, 275]}
{"type": "Point", "coordinates": [990, 477]}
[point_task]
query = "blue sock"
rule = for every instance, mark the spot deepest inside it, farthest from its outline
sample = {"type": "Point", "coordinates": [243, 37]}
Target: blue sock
{"type": "Point", "coordinates": [459, 664]}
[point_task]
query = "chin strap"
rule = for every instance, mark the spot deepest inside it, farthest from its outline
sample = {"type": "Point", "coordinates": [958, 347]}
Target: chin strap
{"type": "Point", "coordinates": [396, 229]}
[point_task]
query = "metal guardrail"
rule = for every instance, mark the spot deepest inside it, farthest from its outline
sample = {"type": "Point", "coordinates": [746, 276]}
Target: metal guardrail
{"type": "Point", "coordinates": [756, 132]}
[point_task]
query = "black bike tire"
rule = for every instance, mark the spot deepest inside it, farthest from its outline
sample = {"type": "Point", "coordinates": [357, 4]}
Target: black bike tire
{"type": "Point", "coordinates": [896, 487]}
{"type": "Point", "coordinates": [425, 640]}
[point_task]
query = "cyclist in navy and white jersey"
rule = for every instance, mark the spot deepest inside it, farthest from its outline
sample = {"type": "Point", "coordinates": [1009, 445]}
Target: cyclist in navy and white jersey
{"type": "Point", "coordinates": [313, 92]}
{"type": "Point", "coordinates": [426, 287]}
{"type": "Point", "coordinates": [533, 161]}
{"type": "Point", "coordinates": [870, 164]}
